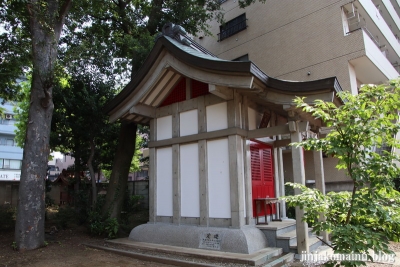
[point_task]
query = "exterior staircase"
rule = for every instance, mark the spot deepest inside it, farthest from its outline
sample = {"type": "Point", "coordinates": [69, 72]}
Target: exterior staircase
{"type": "Point", "coordinates": [283, 235]}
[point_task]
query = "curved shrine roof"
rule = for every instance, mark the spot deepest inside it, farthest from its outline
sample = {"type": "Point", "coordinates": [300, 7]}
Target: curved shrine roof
{"type": "Point", "coordinates": [175, 42]}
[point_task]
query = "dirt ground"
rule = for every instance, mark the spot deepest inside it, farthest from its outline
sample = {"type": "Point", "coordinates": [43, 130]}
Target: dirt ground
{"type": "Point", "coordinates": [65, 249]}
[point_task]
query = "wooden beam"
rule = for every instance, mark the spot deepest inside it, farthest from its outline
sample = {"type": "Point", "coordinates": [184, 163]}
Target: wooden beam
{"type": "Point", "coordinates": [200, 136]}
{"type": "Point", "coordinates": [282, 143]}
{"type": "Point", "coordinates": [270, 131]}
{"type": "Point", "coordinates": [221, 91]}
{"type": "Point", "coordinates": [258, 133]}
{"type": "Point", "coordinates": [143, 110]}
{"type": "Point", "coordinates": [280, 98]}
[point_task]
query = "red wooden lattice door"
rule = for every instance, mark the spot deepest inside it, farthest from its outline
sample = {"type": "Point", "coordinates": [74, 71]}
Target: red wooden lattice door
{"type": "Point", "coordinates": [262, 172]}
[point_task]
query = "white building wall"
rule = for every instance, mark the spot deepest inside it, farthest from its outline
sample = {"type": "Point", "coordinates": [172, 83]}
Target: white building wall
{"type": "Point", "coordinates": [218, 179]}
{"type": "Point", "coordinates": [164, 182]}
{"type": "Point", "coordinates": [164, 128]}
{"type": "Point", "coordinates": [190, 187]}
{"type": "Point", "coordinates": [353, 80]}
{"type": "Point", "coordinates": [188, 123]}
{"type": "Point", "coordinates": [217, 117]}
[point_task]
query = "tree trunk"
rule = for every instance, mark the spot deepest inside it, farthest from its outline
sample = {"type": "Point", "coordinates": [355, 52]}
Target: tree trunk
{"type": "Point", "coordinates": [29, 226]}
{"type": "Point", "coordinates": [119, 175]}
{"type": "Point", "coordinates": [77, 175]}
{"type": "Point", "coordinates": [92, 175]}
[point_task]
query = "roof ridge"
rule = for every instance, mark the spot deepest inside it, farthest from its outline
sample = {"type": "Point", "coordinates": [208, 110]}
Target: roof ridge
{"type": "Point", "coordinates": [179, 34]}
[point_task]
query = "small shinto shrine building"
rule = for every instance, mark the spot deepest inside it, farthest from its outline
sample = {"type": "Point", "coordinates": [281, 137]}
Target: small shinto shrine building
{"type": "Point", "coordinates": [217, 131]}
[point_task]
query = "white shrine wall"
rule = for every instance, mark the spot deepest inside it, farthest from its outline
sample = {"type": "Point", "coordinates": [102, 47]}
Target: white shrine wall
{"type": "Point", "coordinates": [217, 117]}
{"type": "Point", "coordinates": [190, 184]}
{"type": "Point", "coordinates": [164, 183]}
{"type": "Point", "coordinates": [218, 179]}
{"type": "Point", "coordinates": [192, 177]}
{"type": "Point", "coordinates": [164, 128]}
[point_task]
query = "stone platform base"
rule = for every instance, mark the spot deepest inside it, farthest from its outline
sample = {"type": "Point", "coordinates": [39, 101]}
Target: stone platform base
{"type": "Point", "coordinates": [246, 240]}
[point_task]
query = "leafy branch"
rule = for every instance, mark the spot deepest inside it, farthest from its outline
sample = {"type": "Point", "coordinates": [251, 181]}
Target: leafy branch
{"type": "Point", "coordinates": [365, 219]}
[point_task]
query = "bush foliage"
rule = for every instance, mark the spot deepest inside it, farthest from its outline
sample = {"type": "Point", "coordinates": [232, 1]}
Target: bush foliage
{"type": "Point", "coordinates": [363, 139]}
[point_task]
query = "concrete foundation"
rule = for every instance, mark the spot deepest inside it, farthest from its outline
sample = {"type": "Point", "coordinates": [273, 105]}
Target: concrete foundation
{"type": "Point", "coordinates": [246, 240]}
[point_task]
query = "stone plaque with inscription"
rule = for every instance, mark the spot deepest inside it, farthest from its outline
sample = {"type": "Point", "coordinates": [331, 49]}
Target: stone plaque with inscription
{"type": "Point", "coordinates": [211, 240]}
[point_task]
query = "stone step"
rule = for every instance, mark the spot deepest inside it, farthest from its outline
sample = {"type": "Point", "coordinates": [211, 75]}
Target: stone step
{"type": "Point", "coordinates": [280, 261]}
{"type": "Point", "coordinates": [132, 248]}
{"type": "Point", "coordinates": [313, 242]}
{"type": "Point", "coordinates": [286, 240]}
{"type": "Point", "coordinates": [276, 228]}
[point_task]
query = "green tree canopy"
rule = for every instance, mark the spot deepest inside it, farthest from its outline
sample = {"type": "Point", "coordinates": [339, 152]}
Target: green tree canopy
{"type": "Point", "coordinates": [365, 219]}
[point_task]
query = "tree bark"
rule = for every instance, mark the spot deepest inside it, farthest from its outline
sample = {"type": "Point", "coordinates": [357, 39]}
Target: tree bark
{"type": "Point", "coordinates": [29, 227]}
{"type": "Point", "coordinates": [120, 171]}
{"type": "Point", "coordinates": [77, 174]}
{"type": "Point", "coordinates": [91, 171]}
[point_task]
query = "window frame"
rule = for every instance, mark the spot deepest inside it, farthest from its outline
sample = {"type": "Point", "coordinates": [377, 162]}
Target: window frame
{"type": "Point", "coordinates": [232, 27]}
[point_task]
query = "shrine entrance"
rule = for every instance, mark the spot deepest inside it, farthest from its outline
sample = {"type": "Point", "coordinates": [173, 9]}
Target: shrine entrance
{"type": "Point", "coordinates": [262, 173]}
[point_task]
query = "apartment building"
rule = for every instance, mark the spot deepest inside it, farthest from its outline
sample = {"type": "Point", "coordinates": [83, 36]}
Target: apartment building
{"type": "Point", "coordinates": [10, 153]}
{"type": "Point", "coordinates": [10, 157]}
{"type": "Point", "coordinates": [356, 41]}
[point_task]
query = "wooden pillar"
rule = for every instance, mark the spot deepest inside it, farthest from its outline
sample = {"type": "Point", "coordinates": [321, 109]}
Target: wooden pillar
{"type": "Point", "coordinates": [236, 177]}
{"type": "Point", "coordinates": [247, 183]}
{"type": "Point", "coordinates": [236, 163]}
{"type": "Point", "coordinates": [299, 177]}
{"type": "Point", "coordinates": [279, 180]}
{"type": "Point", "coordinates": [282, 183]}
{"type": "Point", "coordinates": [247, 165]}
{"type": "Point", "coordinates": [320, 182]}
{"type": "Point", "coordinates": [153, 174]}
{"type": "Point", "coordinates": [176, 169]}
{"type": "Point", "coordinates": [176, 181]}
{"type": "Point", "coordinates": [203, 184]}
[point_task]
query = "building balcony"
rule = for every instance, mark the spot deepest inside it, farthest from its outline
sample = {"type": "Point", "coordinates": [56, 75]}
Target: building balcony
{"type": "Point", "coordinates": [388, 12]}
{"type": "Point", "coordinates": [374, 67]}
{"type": "Point", "coordinates": [364, 14]}
{"type": "Point", "coordinates": [373, 20]}
{"type": "Point", "coordinates": [11, 152]}
{"type": "Point", "coordinates": [7, 129]}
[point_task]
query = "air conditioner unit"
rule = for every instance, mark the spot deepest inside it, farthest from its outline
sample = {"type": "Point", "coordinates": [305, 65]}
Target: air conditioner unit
{"type": "Point", "coordinates": [9, 117]}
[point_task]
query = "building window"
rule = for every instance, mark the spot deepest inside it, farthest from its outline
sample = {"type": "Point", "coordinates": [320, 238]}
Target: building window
{"type": "Point", "coordinates": [232, 27]}
{"type": "Point", "coordinates": [10, 164]}
{"type": "Point", "coordinates": [10, 142]}
{"type": "Point", "coordinates": [15, 164]}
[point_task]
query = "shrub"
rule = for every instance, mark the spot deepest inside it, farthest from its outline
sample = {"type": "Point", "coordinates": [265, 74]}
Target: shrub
{"type": "Point", "coordinates": [65, 216]}
{"type": "Point", "coordinates": [364, 220]}
{"type": "Point", "coordinates": [7, 217]}
{"type": "Point", "coordinates": [103, 227]}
